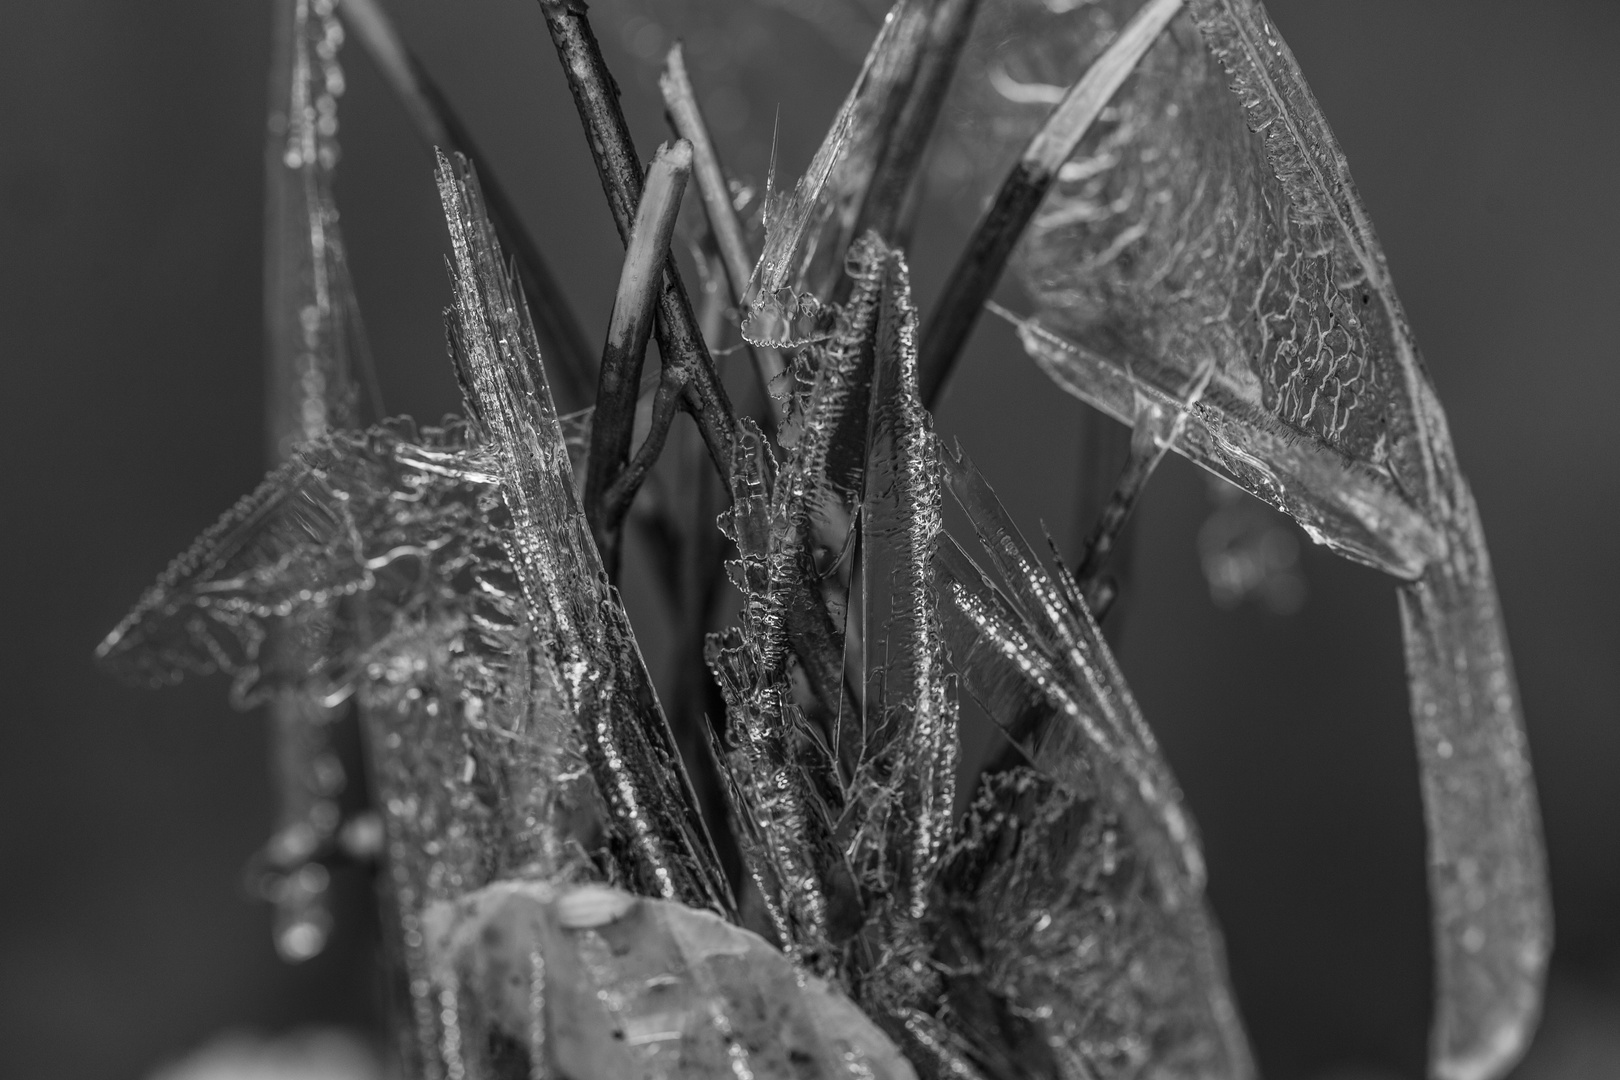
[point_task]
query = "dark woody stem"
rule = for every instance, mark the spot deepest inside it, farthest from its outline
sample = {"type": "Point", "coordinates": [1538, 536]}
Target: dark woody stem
{"type": "Point", "coordinates": [609, 485]}
{"type": "Point", "coordinates": [680, 342]}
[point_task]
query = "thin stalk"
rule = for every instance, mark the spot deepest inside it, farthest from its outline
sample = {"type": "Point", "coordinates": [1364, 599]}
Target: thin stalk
{"type": "Point", "coordinates": [609, 485]}
{"type": "Point", "coordinates": [680, 342]}
{"type": "Point", "coordinates": [685, 116]}
{"type": "Point", "coordinates": [437, 125]}
{"type": "Point", "coordinates": [1099, 589]}
{"type": "Point", "coordinates": [980, 266]}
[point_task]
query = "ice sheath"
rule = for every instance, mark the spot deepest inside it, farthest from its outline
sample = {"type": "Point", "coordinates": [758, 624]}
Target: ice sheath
{"type": "Point", "coordinates": [1212, 221]}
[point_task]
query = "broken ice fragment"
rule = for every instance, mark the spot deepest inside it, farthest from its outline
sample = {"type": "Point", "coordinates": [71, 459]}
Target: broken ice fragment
{"type": "Point", "coordinates": [577, 616]}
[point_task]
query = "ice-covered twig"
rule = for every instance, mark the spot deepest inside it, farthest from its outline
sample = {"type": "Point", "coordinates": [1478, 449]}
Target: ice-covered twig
{"type": "Point", "coordinates": [438, 125]}
{"type": "Point", "coordinates": [618, 385]}
{"type": "Point", "coordinates": [977, 271]}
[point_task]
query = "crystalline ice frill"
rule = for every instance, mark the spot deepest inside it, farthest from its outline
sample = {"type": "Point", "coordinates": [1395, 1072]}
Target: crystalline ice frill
{"type": "Point", "coordinates": [1211, 220]}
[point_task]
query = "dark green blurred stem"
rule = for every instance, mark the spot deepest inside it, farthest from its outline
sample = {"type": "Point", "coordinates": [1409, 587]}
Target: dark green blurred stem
{"type": "Point", "coordinates": [436, 123]}
{"type": "Point", "coordinates": [680, 342]}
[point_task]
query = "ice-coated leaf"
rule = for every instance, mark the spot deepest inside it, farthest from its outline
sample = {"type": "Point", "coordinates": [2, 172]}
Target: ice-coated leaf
{"type": "Point", "coordinates": [808, 232]}
{"type": "Point", "coordinates": [578, 618]}
{"type": "Point", "coordinates": [1213, 222]}
{"type": "Point", "coordinates": [1076, 895]}
{"type": "Point", "coordinates": [902, 795]}
{"type": "Point", "coordinates": [592, 982]}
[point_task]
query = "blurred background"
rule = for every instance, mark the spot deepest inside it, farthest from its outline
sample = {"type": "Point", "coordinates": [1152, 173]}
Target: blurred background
{"type": "Point", "coordinates": [1485, 139]}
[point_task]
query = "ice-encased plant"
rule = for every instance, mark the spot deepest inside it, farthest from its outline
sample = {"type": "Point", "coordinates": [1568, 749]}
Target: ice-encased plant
{"type": "Point", "coordinates": [557, 905]}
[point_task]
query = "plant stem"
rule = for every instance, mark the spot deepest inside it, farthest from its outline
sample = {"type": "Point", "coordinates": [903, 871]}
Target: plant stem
{"type": "Point", "coordinates": [680, 342]}
{"type": "Point", "coordinates": [980, 267]}
{"type": "Point", "coordinates": [437, 125]}
{"type": "Point", "coordinates": [618, 385]}
{"type": "Point", "coordinates": [680, 101]}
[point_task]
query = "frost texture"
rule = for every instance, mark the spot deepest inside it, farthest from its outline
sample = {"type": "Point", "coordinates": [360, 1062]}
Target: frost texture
{"type": "Point", "coordinates": [593, 982]}
{"type": "Point", "coordinates": [1212, 220]}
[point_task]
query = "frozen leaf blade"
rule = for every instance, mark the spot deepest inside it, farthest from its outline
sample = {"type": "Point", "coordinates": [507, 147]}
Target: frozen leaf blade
{"type": "Point", "coordinates": [317, 352]}
{"type": "Point", "coordinates": [908, 765]}
{"type": "Point", "coordinates": [578, 617]}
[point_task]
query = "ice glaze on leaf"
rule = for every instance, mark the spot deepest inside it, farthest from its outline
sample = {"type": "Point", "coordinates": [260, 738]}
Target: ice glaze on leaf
{"type": "Point", "coordinates": [905, 785]}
